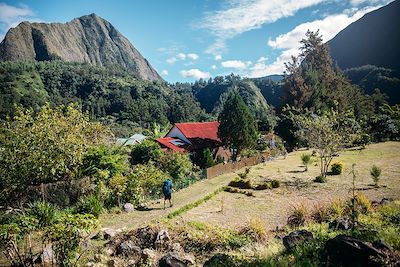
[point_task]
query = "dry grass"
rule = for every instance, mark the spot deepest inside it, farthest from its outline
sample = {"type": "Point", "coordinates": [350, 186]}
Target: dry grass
{"type": "Point", "coordinates": [274, 206]}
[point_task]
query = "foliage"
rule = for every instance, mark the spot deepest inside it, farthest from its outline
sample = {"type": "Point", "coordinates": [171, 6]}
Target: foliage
{"type": "Point", "coordinates": [241, 183]}
{"type": "Point", "coordinates": [327, 132]}
{"type": "Point", "coordinates": [143, 183]}
{"type": "Point", "coordinates": [363, 204]}
{"type": "Point", "coordinates": [208, 160]}
{"type": "Point", "coordinates": [320, 179]}
{"type": "Point", "coordinates": [298, 216]}
{"type": "Point", "coordinates": [385, 125]}
{"type": "Point", "coordinates": [90, 205]}
{"type": "Point", "coordinates": [178, 165]}
{"type": "Point", "coordinates": [104, 158]}
{"type": "Point", "coordinates": [44, 146]}
{"type": "Point", "coordinates": [144, 152]}
{"type": "Point", "coordinates": [45, 213]}
{"type": "Point", "coordinates": [306, 159]}
{"type": "Point", "coordinates": [337, 168]}
{"type": "Point", "coordinates": [67, 235]}
{"type": "Point", "coordinates": [275, 183]}
{"type": "Point", "coordinates": [244, 174]}
{"type": "Point", "coordinates": [237, 129]}
{"type": "Point", "coordinates": [375, 173]}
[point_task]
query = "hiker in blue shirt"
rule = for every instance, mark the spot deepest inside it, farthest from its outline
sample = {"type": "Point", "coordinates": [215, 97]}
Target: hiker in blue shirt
{"type": "Point", "coordinates": [167, 191]}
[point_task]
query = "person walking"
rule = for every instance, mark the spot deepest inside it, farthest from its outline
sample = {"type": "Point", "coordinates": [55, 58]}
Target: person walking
{"type": "Point", "coordinates": [167, 191]}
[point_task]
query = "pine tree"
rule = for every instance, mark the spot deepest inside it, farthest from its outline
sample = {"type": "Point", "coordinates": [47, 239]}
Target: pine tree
{"type": "Point", "coordinates": [238, 129]}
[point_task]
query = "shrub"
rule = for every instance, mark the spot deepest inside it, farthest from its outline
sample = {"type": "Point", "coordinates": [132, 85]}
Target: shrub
{"type": "Point", "coordinates": [337, 168]}
{"type": "Point", "coordinates": [298, 216]}
{"type": "Point", "coordinates": [241, 183]}
{"type": "Point", "coordinates": [244, 174]}
{"type": "Point", "coordinates": [146, 151]}
{"type": "Point", "coordinates": [263, 186]}
{"type": "Point", "coordinates": [179, 166]}
{"type": "Point", "coordinates": [44, 212]}
{"type": "Point", "coordinates": [375, 173]}
{"type": "Point", "coordinates": [363, 204]}
{"type": "Point", "coordinates": [90, 205]}
{"type": "Point", "coordinates": [337, 208]}
{"type": "Point", "coordinates": [256, 230]}
{"type": "Point", "coordinates": [208, 160]}
{"type": "Point", "coordinates": [321, 213]}
{"type": "Point", "coordinates": [306, 159]}
{"type": "Point", "coordinates": [275, 183]}
{"type": "Point", "coordinates": [320, 179]}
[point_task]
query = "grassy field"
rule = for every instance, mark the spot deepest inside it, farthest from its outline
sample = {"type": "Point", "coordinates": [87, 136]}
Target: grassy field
{"type": "Point", "coordinates": [273, 206]}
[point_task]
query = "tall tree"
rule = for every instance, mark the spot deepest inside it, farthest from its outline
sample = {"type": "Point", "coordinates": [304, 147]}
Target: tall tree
{"type": "Point", "coordinates": [238, 129]}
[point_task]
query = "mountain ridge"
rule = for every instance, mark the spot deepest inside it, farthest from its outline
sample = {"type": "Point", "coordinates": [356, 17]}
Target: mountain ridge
{"type": "Point", "coordinates": [87, 39]}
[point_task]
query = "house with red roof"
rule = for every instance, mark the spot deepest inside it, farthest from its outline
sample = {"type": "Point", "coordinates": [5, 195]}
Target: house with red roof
{"type": "Point", "coordinates": [194, 137]}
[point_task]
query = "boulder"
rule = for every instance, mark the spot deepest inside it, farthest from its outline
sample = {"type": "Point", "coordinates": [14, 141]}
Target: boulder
{"type": "Point", "coordinates": [176, 247]}
{"type": "Point", "coordinates": [297, 237]}
{"type": "Point", "coordinates": [381, 245]}
{"type": "Point", "coordinates": [128, 249]}
{"type": "Point", "coordinates": [147, 236]}
{"type": "Point", "coordinates": [128, 207]}
{"type": "Point", "coordinates": [345, 250]}
{"type": "Point", "coordinates": [162, 239]}
{"type": "Point", "coordinates": [109, 233]}
{"type": "Point", "coordinates": [46, 257]}
{"type": "Point", "coordinates": [172, 259]}
{"type": "Point", "coordinates": [341, 223]}
{"type": "Point", "coordinates": [385, 201]}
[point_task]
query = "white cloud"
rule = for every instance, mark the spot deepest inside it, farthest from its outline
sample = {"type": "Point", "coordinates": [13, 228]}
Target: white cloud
{"type": "Point", "coordinates": [218, 57]}
{"type": "Point", "coordinates": [181, 56]}
{"type": "Point", "coordinates": [289, 42]}
{"type": "Point", "coordinates": [369, 2]}
{"type": "Point", "coordinates": [172, 60]}
{"type": "Point", "coordinates": [246, 15]}
{"type": "Point", "coordinates": [192, 56]}
{"type": "Point", "coordinates": [195, 73]}
{"type": "Point", "coordinates": [164, 72]}
{"type": "Point", "coordinates": [11, 16]}
{"type": "Point", "coordinates": [214, 67]}
{"type": "Point", "coordinates": [235, 64]}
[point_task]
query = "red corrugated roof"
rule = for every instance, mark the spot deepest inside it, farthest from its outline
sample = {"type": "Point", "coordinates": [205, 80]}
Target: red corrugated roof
{"type": "Point", "coordinates": [200, 130]}
{"type": "Point", "coordinates": [167, 142]}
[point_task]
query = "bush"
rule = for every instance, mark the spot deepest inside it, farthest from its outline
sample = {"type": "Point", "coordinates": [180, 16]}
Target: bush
{"type": "Point", "coordinates": [375, 173]}
{"type": "Point", "coordinates": [146, 151]}
{"type": "Point", "coordinates": [363, 204]}
{"type": "Point", "coordinates": [306, 159]}
{"type": "Point", "coordinates": [337, 209]}
{"type": "Point", "coordinates": [337, 168]}
{"type": "Point", "coordinates": [44, 212]}
{"type": "Point", "coordinates": [244, 174]}
{"type": "Point", "coordinates": [320, 179]}
{"type": "Point", "coordinates": [275, 183]}
{"type": "Point", "coordinates": [321, 213]}
{"type": "Point", "coordinates": [89, 205]}
{"type": "Point", "coordinates": [299, 216]}
{"type": "Point", "coordinates": [241, 183]}
{"type": "Point", "coordinates": [263, 186]}
{"type": "Point", "coordinates": [179, 166]}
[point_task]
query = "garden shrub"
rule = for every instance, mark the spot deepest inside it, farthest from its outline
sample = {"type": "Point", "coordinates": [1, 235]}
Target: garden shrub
{"type": "Point", "coordinates": [363, 204]}
{"type": "Point", "coordinates": [146, 151]}
{"type": "Point", "coordinates": [275, 183]}
{"type": "Point", "coordinates": [306, 159]}
{"type": "Point", "coordinates": [298, 216]}
{"type": "Point", "coordinates": [320, 179]}
{"type": "Point", "coordinates": [241, 183]}
{"type": "Point", "coordinates": [45, 213]}
{"type": "Point", "coordinates": [263, 186]}
{"type": "Point", "coordinates": [337, 168]}
{"type": "Point", "coordinates": [337, 208]}
{"type": "Point", "coordinates": [321, 213]}
{"type": "Point", "coordinates": [375, 173]}
{"type": "Point", "coordinates": [90, 205]}
{"type": "Point", "coordinates": [180, 168]}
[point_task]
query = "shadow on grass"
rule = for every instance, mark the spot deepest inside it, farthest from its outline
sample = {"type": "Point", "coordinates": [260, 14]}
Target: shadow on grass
{"type": "Point", "coordinates": [296, 171]}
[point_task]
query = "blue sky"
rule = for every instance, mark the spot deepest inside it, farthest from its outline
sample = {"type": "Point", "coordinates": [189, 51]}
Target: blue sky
{"type": "Point", "coordinates": [192, 39]}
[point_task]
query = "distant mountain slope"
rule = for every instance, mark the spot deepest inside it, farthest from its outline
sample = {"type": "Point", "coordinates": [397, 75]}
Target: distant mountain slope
{"type": "Point", "coordinates": [372, 40]}
{"type": "Point", "coordinates": [88, 39]}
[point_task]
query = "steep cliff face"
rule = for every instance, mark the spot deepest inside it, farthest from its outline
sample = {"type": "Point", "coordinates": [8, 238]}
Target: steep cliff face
{"type": "Point", "coordinates": [89, 39]}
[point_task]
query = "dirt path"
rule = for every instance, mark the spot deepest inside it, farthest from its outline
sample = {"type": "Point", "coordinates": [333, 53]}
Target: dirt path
{"type": "Point", "coordinates": [181, 198]}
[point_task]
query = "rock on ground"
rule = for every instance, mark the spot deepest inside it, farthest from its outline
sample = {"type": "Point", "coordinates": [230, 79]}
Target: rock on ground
{"type": "Point", "coordinates": [297, 237]}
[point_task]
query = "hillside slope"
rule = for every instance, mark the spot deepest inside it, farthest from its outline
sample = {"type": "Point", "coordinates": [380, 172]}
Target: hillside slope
{"type": "Point", "coordinates": [372, 40]}
{"type": "Point", "coordinates": [88, 39]}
